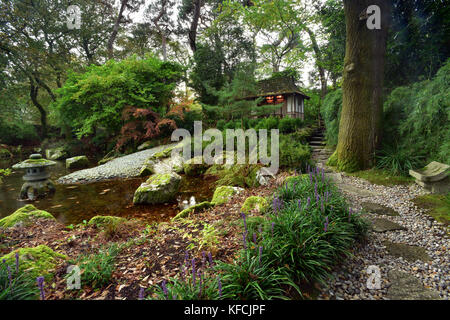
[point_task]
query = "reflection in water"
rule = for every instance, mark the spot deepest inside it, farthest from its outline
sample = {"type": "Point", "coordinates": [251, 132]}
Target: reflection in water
{"type": "Point", "coordinates": [71, 204]}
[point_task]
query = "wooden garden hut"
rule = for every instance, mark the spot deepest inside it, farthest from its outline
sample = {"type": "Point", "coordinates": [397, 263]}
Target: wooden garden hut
{"type": "Point", "coordinates": [282, 90]}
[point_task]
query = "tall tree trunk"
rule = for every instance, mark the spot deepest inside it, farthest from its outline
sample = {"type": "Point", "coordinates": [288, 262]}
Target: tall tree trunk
{"type": "Point", "coordinates": [319, 64]}
{"type": "Point", "coordinates": [33, 95]}
{"type": "Point", "coordinates": [112, 38]}
{"type": "Point", "coordinates": [359, 126]}
{"type": "Point", "coordinates": [194, 25]}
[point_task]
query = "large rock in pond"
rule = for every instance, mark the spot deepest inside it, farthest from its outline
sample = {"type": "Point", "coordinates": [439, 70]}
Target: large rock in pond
{"type": "Point", "coordinates": [159, 188]}
{"type": "Point", "coordinates": [24, 216]}
{"type": "Point", "coordinates": [56, 153]}
{"type": "Point", "coordinates": [37, 261]}
{"type": "Point", "coordinates": [223, 194]}
{"type": "Point", "coordinates": [79, 162]}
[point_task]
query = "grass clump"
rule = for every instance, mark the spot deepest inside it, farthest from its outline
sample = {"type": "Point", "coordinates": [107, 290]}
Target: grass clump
{"type": "Point", "coordinates": [16, 284]}
{"type": "Point", "coordinates": [97, 269]}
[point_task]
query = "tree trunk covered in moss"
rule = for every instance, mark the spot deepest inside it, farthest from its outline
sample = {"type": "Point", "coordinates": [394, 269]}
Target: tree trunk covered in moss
{"type": "Point", "coordinates": [360, 123]}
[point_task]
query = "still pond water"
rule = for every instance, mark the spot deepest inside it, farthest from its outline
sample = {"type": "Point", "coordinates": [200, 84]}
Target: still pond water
{"type": "Point", "coordinates": [71, 204]}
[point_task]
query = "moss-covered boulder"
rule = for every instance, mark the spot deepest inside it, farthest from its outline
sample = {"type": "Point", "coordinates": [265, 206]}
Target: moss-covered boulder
{"type": "Point", "coordinates": [197, 207]}
{"type": "Point", "coordinates": [24, 216]}
{"type": "Point", "coordinates": [254, 203]}
{"type": "Point", "coordinates": [104, 221]}
{"type": "Point", "coordinates": [148, 168]}
{"type": "Point", "coordinates": [242, 175]}
{"type": "Point", "coordinates": [79, 162]}
{"type": "Point", "coordinates": [37, 261]}
{"type": "Point", "coordinates": [59, 153]}
{"type": "Point", "coordinates": [159, 188]}
{"type": "Point", "coordinates": [166, 152]}
{"type": "Point", "coordinates": [223, 194]}
{"type": "Point", "coordinates": [195, 166]}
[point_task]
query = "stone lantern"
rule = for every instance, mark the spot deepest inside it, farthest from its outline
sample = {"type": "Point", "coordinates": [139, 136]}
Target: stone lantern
{"type": "Point", "coordinates": [37, 182]}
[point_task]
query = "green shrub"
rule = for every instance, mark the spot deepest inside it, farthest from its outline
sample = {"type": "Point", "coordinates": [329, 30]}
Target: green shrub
{"type": "Point", "coordinates": [287, 125]}
{"type": "Point", "coordinates": [331, 114]}
{"type": "Point", "coordinates": [293, 154]}
{"type": "Point", "coordinates": [17, 132]}
{"type": "Point", "coordinates": [416, 119]}
{"type": "Point", "coordinates": [398, 161]}
{"type": "Point", "coordinates": [268, 123]}
{"type": "Point", "coordinates": [98, 96]}
{"type": "Point", "coordinates": [221, 124]}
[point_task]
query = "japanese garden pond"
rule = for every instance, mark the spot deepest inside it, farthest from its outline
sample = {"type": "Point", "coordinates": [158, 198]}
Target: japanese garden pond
{"type": "Point", "coordinates": [71, 204]}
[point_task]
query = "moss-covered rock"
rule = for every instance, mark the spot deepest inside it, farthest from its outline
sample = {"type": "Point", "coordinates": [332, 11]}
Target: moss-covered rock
{"type": "Point", "coordinates": [79, 162]}
{"type": "Point", "coordinates": [198, 207]}
{"type": "Point", "coordinates": [223, 194]}
{"type": "Point", "coordinates": [254, 203]}
{"type": "Point", "coordinates": [56, 153]}
{"type": "Point", "coordinates": [24, 216]}
{"type": "Point", "coordinates": [242, 175]}
{"type": "Point", "coordinates": [148, 168]}
{"type": "Point", "coordinates": [195, 166]}
{"type": "Point", "coordinates": [159, 188]}
{"type": "Point", "coordinates": [164, 153]}
{"type": "Point", "coordinates": [104, 221]}
{"type": "Point", "coordinates": [37, 261]}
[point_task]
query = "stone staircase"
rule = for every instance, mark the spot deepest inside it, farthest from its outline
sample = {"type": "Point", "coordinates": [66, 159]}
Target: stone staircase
{"type": "Point", "coordinates": [320, 154]}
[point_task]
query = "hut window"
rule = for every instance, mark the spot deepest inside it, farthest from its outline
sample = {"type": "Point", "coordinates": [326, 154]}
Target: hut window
{"type": "Point", "coordinates": [280, 98]}
{"type": "Point", "coordinates": [269, 99]}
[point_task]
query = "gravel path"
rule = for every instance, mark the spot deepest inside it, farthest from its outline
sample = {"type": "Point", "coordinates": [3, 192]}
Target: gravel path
{"type": "Point", "coordinates": [124, 167]}
{"type": "Point", "coordinates": [401, 276]}
{"type": "Point", "coordinates": [421, 230]}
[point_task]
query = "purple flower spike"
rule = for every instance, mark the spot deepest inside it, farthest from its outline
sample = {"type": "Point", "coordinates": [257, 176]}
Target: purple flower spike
{"type": "Point", "coordinates": [40, 283]}
{"type": "Point", "coordinates": [141, 294]}
{"type": "Point", "coordinates": [299, 204]}
{"type": "Point", "coordinates": [260, 253]}
{"type": "Point", "coordinates": [310, 177]}
{"type": "Point", "coordinates": [254, 237]}
{"type": "Point", "coordinates": [245, 240]}
{"type": "Point", "coordinates": [210, 259]}
{"type": "Point", "coordinates": [17, 262]}
{"type": "Point", "coordinates": [308, 202]}
{"type": "Point", "coordinates": [219, 285]}
{"type": "Point", "coordinates": [9, 275]}
{"type": "Point", "coordinates": [203, 258]}
{"type": "Point", "coordinates": [244, 218]}
{"type": "Point", "coordinates": [193, 271]}
{"type": "Point", "coordinates": [326, 224]}
{"type": "Point", "coordinates": [163, 285]}
{"type": "Point", "coordinates": [321, 205]}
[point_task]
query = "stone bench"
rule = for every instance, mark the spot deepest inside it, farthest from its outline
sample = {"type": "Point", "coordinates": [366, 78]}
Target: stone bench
{"type": "Point", "coordinates": [434, 177]}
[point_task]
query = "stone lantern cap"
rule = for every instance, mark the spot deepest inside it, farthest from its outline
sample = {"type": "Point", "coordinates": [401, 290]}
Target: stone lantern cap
{"type": "Point", "coordinates": [35, 161]}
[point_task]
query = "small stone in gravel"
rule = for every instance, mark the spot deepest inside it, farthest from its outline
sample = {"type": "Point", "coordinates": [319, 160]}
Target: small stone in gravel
{"type": "Point", "coordinates": [407, 287]}
{"type": "Point", "coordinates": [409, 253]}
{"type": "Point", "coordinates": [383, 225]}
{"type": "Point", "coordinates": [378, 209]}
